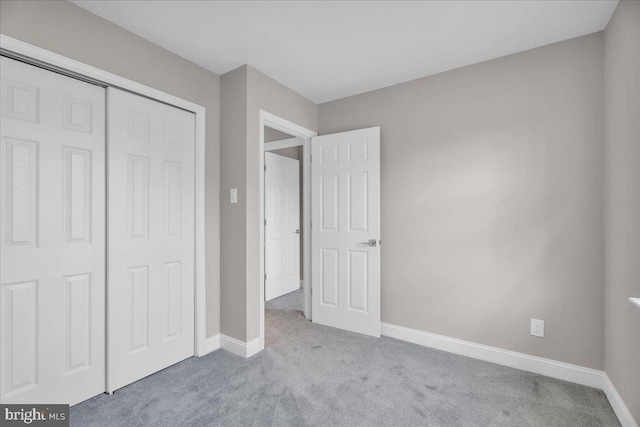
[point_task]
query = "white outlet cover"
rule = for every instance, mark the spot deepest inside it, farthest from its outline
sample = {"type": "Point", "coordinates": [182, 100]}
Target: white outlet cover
{"type": "Point", "coordinates": [233, 196]}
{"type": "Point", "coordinates": [537, 328]}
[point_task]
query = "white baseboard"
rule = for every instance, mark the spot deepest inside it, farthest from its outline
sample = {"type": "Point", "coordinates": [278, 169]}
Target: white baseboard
{"type": "Point", "coordinates": [539, 365]}
{"type": "Point", "coordinates": [211, 344]}
{"type": "Point", "coordinates": [240, 348]}
{"type": "Point", "coordinates": [618, 405]}
{"type": "Point", "coordinates": [233, 345]}
{"type": "Point", "coordinates": [253, 347]}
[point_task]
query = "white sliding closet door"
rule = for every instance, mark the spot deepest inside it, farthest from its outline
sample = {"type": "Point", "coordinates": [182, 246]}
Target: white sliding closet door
{"type": "Point", "coordinates": [151, 236]}
{"type": "Point", "coordinates": [52, 249]}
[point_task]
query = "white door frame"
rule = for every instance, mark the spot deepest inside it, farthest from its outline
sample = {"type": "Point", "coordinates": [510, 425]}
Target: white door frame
{"type": "Point", "coordinates": [278, 123]}
{"type": "Point", "coordinates": [53, 61]}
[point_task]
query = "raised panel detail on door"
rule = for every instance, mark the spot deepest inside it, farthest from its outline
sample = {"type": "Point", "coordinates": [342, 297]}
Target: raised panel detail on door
{"type": "Point", "coordinates": [21, 195]}
{"type": "Point", "coordinates": [138, 129]}
{"type": "Point", "coordinates": [139, 307]}
{"type": "Point", "coordinates": [173, 277]}
{"type": "Point", "coordinates": [19, 337]}
{"type": "Point", "coordinates": [77, 181]}
{"type": "Point", "coordinates": [329, 274]}
{"type": "Point", "coordinates": [52, 230]}
{"type": "Point", "coordinates": [358, 265]}
{"type": "Point", "coordinates": [358, 151]}
{"type": "Point", "coordinates": [78, 322]}
{"type": "Point", "coordinates": [358, 209]}
{"type": "Point", "coordinates": [172, 134]}
{"type": "Point", "coordinates": [274, 266]}
{"type": "Point", "coordinates": [138, 197]}
{"type": "Point", "coordinates": [151, 236]}
{"type": "Point", "coordinates": [292, 213]}
{"type": "Point", "coordinates": [77, 114]}
{"type": "Point", "coordinates": [329, 202]}
{"type": "Point", "coordinates": [172, 197]}
{"type": "Point", "coordinates": [290, 263]}
{"type": "Point", "coordinates": [329, 155]}
{"type": "Point", "coordinates": [276, 206]}
{"type": "Point", "coordinates": [345, 250]}
{"type": "Point", "coordinates": [20, 100]}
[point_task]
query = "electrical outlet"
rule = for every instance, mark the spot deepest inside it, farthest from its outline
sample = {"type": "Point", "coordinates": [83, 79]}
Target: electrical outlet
{"type": "Point", "coordinates": [537, 328]}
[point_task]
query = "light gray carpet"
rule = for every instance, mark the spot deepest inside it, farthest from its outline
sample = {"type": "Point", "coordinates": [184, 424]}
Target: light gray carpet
{"type": "Point", "coordinates": [311, 375]}
{"type": "Point", "coordinates": [290, 301]}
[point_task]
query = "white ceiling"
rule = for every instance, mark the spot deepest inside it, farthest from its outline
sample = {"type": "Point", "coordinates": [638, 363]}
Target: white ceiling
{"type": "Point", "coordinates": [326, 50]}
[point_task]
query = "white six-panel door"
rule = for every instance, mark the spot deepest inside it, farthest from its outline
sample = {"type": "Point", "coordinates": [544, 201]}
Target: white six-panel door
{"type": "Point", "coordinates": [345, 230]}
{"type": "Point", "coordinates": [52, 245]}
{"type": "Point", "coordinates": [282, 227]}
{"type": "Point", "coordinates": [151, 236]}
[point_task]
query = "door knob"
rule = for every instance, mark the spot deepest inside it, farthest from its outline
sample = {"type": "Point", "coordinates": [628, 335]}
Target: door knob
{"type": "Point", "coordinates": [297, 232]}
{"type": "Point", "coordinates": [371, 242]}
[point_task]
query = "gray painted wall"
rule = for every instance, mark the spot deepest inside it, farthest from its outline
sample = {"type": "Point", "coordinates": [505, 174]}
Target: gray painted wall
{"type": "Point", "coordinates": [233, 151]}
{"type": "Point", "coordinates": [69, 30]}
{"type": "Point", "coordinates": [271, 135]}
{"type": "Point", "coordinates": [492, 201]}
{"type": "Point", "coordinates": [249, 91]}
{"type": "Point", "coordinates": [622, 203]}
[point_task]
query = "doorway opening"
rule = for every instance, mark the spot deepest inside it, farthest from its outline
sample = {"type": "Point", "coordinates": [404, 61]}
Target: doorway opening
{"type": "Point", "coordinates": [283, 218]}
{"type": "Point", "coordinates": [285, 214]}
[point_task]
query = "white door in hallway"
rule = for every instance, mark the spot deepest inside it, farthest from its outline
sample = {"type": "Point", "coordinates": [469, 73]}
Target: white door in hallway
{"type": "Point", "coordinates": [151, 237]}
{"type": "Point", "coordinates": [282, 227]}
{"type": "Point", "coordinates": [52, 249]}
{"type": "Point", "coordinates": [345, 230]}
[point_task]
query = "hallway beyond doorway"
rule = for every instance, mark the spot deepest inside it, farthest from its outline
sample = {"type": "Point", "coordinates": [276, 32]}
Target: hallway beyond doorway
{"type": "Point", "coordinates": [291, 301]}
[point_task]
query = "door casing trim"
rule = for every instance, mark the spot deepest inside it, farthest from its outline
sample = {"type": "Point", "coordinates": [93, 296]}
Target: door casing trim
{"type": "Point", "coordinates": [283, 125]}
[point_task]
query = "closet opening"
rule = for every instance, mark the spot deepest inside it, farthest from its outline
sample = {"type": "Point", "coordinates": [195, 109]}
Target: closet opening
{"type": "Point", "coordinates": [58, 293]}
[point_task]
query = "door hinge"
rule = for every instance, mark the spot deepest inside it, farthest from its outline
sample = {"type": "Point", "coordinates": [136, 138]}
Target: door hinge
{"type": "Point", "coordinates": [265, 277]}
{"type": "Point", "coordinates": [310, 158]}
{"type": "Point", "coordinates": [265, 168]}
{"type": "Point", "coordinates": [265, 222]}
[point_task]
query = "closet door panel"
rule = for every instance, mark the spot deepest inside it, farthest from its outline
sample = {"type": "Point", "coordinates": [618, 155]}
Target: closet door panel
{"type": "Point", "coordinates": [151, 236]}
{"type": "Point", "coordinates": [52, 242]}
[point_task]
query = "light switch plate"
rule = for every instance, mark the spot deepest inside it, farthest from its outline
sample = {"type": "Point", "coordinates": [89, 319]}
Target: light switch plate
{"type": "Point", "coordinates": [233, 196]}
